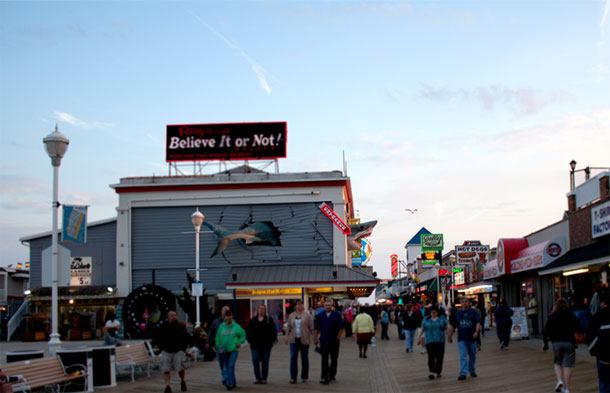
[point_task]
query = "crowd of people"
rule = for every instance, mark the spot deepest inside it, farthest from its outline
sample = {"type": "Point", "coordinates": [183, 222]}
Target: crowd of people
{"type": "Point", "coordinates": [428, 326]}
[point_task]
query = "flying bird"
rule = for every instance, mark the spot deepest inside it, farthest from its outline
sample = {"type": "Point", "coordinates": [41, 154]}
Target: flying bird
{"type": "Point", "coordinates": [411, 211]}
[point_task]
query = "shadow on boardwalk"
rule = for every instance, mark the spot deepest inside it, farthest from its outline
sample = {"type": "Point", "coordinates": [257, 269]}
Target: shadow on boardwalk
{"type": "Point", "coordinates": [524, 368]}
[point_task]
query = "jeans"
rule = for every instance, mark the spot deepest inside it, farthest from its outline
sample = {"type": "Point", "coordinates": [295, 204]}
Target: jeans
{"type": "Point", "coordinates": [468, 356]}
{"type": "Point", "coordinates": [260, 359]}
{"type": "Point", "coordinates": [329, 371]}
{"type": "Point", "coordinates": [294, 364]}
{"type": "Point", "coordinates": [384, 331]}
{"type": "Point", "coordinates": [436, 353]}
{"type": "Point", "coordinates": [603, 376]}
{"type": "Point", "coordinates": [227, 365]}
{"type": "Point", "coordinates": [409, 336]}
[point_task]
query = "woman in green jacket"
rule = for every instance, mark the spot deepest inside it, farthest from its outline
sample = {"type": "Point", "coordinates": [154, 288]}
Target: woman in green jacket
{"type": "Point", "coordinates": [229, 338]}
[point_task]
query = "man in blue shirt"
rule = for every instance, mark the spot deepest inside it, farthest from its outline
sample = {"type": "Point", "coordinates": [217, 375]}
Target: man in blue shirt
{"type": "Point", "coordinates": [328, 325]}
{"type": "Point", "coordinates": [468, 324]}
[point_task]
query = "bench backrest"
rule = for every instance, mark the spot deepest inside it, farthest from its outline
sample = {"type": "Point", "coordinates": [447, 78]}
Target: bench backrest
{"type": "Point", "coordinates": [137, 353]}
{"type": "Point", "coordinates": [38, 372]}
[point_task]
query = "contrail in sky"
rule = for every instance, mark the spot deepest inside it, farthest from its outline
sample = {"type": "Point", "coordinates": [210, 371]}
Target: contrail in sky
{"type": "Point", "coordinates": [260, 72]}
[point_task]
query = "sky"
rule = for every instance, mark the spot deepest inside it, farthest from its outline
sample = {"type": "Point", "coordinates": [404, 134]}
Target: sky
{"type": "Point", "coordinates": [468, 111]}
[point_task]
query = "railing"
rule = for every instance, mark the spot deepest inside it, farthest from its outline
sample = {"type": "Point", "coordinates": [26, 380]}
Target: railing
{"type": "Point", "coordinates": [15, 321]}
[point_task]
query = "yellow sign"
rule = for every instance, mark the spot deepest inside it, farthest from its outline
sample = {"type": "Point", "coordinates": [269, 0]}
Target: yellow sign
{"type": "Point", "coordinates": [320, 290]}
{"type": "Point", "coordinates": [268, 292]}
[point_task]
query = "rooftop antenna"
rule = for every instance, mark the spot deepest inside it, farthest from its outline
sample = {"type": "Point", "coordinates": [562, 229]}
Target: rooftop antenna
{"type": "Point", "coordinates": [344, 165]}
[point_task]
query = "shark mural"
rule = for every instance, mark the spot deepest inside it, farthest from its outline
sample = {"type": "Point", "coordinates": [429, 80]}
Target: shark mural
{"type": "Point", "coordinates": [359, 232]}
{"type": "Point", "coordinates": [262, 233]}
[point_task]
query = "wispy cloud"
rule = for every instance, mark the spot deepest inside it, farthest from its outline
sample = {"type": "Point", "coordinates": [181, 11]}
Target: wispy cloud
{"type": "Point", "coordinates": [260, 71]}
{"type": "Point", "coordinates": [602, 45]}
{"type": "Point", "coordinates": [68, 118]}
{"type": "Point", "coordinates": [525, 101]}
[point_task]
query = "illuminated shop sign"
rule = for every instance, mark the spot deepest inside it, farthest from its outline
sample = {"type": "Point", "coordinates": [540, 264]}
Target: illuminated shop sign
{"type": "Point", "coordinates": [268, 292]}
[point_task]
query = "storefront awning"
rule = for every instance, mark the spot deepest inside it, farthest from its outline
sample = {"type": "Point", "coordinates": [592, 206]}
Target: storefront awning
{"type": "Point", "coordinates": [582, 257]}
{"type": "Point", "coordinates": [539, 255]}
{"type": "Point", "coordinates": [298, 276]}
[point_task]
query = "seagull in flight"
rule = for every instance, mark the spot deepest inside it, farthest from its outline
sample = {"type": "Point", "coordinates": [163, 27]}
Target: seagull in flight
{"type": "Point", "coordinates": [411, 211]}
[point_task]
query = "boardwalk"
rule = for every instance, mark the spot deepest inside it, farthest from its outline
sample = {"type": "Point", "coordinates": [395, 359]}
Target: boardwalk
{"type": "Point", "coordinates": [524, 368]}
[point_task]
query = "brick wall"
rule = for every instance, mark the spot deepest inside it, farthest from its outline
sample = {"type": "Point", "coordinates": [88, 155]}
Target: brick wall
{"type": "Point", "coordinates": [580, 220]}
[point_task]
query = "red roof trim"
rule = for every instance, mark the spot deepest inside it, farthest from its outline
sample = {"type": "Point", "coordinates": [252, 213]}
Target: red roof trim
{"type": "Point", "coordinates": [238, 186]}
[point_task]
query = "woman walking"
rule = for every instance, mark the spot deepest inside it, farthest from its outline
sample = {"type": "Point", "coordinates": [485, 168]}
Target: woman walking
{"type": "Point", "coordinates": [364, 330]}
{"type": "Point", "coordinates": [261, 334]}
{"type": "Point", "coordinates": [560, 330]}
{"type": "Point", "coordinates": [385, 322]}
{"type": "Point", "coordinates": [433, 336]}
{"type": "Point", "coordinates": [229, 338]}
{"type": "Point", "coordinates": [504, 323]}
{"type": "Point", "coordinates": [300, 335]}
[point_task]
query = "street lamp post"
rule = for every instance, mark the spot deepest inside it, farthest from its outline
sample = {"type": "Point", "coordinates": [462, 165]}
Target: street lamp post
{"type": "Point", "coordinates": [56, 145]}
{"type": "Point", "coordinates": [197, 219]}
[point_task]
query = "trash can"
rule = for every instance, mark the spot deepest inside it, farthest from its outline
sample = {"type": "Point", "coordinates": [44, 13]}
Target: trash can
{"type": "Point", "coordinates": [104, 366]}
{"type": "Point", "coordinates": [78, 356]}
{"type": "Point", "coordinates": [26, 354]}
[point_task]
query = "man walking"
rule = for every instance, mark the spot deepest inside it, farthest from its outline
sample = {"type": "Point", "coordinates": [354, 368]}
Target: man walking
{"type": "Point", "coordinates": [173, 339]}
{"type": "Point", "coordinates": [328, 325]}
{"type": "Point", "coordinates": [467, 322]}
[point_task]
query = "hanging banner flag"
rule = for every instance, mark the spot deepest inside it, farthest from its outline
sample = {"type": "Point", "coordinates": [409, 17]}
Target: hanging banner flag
{"type": "Point", "coordinates": [74, 226]}
{"type": "Point", "coordinates": [334, 217]}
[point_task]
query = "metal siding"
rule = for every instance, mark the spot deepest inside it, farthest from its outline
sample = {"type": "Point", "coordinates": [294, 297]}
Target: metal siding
{"type": "Point", "coordinates": [164, 237]}
{"type": "Point", "coordinates": [101, 246]}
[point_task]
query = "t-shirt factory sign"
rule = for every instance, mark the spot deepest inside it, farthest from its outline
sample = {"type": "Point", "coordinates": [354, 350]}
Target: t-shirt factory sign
{"type": "Point", "coordinates": [600, 220]}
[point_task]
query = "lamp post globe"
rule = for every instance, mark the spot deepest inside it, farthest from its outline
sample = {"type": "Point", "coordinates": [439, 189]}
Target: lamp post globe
{"type": "Point", "coordinates": [56, 145]}
{"type": "Point", "coordinates": [197, 219]}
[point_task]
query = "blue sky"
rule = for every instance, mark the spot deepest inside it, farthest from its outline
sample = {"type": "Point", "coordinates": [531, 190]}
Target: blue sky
{"type": "Point", "coordinates": [468, 111]}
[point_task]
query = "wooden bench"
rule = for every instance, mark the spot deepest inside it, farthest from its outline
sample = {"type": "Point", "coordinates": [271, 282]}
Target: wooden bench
{"type": "Point", "coordinates": [48, 372]}
{"type": "Point", "coordinates": [135, 355]}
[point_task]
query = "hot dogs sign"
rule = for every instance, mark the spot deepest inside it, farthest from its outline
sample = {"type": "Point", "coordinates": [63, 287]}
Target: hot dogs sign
{"type": "Point", "coordinates": [470, 252]}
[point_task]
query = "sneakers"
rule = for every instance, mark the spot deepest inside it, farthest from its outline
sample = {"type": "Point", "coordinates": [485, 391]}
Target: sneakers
{"type": "Point", "coordinates": [167, 389]}
{"type": "Point", "coordinates": [183, 386]}
{"type": "Point", "coordinates": [559, 386]}
{"type": "Point", "coordinates": [431, 376]}
{"type": "Point", "coordinates": [462, 378]}
{"type": "Point", "coordinates": [474, 375]}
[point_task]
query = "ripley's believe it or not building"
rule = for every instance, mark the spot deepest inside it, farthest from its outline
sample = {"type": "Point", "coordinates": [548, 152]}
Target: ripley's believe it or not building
{"type": "Point", "coordinates": [267, 239]}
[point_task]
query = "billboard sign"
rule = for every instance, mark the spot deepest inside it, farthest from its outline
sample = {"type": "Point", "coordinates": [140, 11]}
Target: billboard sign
{"type": "Point", "coordinates": [432, 242]}
{"type": "Point", "coordinates": [226, 141]}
